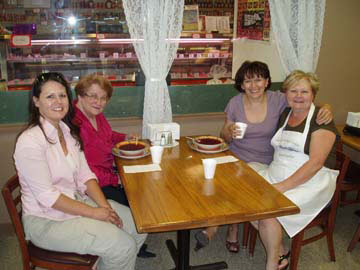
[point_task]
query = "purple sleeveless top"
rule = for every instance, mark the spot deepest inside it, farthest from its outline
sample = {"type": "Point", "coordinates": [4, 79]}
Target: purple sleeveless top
{"type": "Point", "coordinates": [255, 146]}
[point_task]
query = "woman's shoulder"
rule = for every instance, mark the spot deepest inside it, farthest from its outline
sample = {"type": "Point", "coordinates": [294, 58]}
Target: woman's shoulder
{"type": "Point", "coordinates": [275, 96]}
{"type": "Point", "coordinates": [30, 136]}
{"type": "Point", "coordinates": [315, 126]}
{"type": "Point", "coordinates": [237, 98]}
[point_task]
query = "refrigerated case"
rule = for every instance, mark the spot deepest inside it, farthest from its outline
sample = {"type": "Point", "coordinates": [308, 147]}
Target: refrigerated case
{"type": "Point", "coordinates": [98, 42]}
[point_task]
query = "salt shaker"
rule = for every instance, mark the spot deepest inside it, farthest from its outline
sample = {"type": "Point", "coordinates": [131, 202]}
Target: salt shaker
{"type": "Point", "coordinates": [162, 139]}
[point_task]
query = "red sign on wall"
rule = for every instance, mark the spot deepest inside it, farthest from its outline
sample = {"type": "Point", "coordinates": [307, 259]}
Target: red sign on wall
{"type": "Point", "coordinates": [253, 19]}
{"type": "Point", "coordinates": [20, 41]}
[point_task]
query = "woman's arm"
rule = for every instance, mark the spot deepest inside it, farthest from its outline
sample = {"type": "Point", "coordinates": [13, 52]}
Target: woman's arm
{"type": "Point", "coordinates": [229, 131]}
{"type": "Point", "coordinates": [118, 137]}
{"type": "Point", "coordinates": [94, 192]}
{"type": "Point", "coordinates": [73, 207]}
{"type": "Point", "coordinates": [320, 146]}
{"type": "Point", "coordinates": [226, 131]}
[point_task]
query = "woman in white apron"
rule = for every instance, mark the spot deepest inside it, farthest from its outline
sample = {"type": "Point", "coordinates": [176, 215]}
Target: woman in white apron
{"type": "Point", "coordinates": [301, 176]}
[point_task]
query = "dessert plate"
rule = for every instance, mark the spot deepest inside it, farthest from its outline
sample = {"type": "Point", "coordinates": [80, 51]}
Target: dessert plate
{"type": "Point", "coordinates": [116, 152]}
{"type": "Point", "coordinates": [221, 148]}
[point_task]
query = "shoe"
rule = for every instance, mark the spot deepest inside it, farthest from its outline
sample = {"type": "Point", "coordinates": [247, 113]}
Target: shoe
{"type": "Point", "coordinates": [284, 257]}
{"type": "Point", "coordinates": [143, 253]}
{"type": "Point", "coordinates": [202, 240]}
{"type": "Point", "coordinates": [233, 247]}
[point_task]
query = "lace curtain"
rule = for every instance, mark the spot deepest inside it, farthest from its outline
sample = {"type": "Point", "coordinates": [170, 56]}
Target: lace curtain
{"type": "Point", "coordinates": [156, 27]}
{"type": "Point", "coordinates": [298, 27]}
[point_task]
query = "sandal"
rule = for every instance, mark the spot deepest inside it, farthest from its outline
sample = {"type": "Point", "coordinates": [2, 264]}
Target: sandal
{"type": "Point", "coordinates": [282, 258]}
{"type": "Point", "coordinates": [233, 247]}
{"type": "Point", "coordinates": [202, 240]}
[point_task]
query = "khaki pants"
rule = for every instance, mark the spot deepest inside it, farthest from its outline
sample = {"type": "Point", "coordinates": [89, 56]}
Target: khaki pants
{"type": "Point", "coordinates": [117, 248]}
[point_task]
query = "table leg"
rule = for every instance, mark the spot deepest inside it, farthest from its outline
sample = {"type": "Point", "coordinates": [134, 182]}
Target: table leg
{"type": "Point", "coordinates": [180, 255]}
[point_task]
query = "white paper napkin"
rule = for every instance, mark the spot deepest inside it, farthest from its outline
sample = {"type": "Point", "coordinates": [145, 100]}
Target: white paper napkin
{"type": "Point", "coordinates": [142, 168]}
{"type": "Point", "coordinates": [225, 159]}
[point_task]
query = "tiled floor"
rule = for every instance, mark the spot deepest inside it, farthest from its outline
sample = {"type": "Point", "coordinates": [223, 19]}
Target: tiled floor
{"type": "Point", "coordinates": [313, 256]}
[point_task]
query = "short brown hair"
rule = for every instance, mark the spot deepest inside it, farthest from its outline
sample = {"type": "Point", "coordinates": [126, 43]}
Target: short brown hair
{"type": "Point", "coordinates": [251, 69]}
{"type": "Point", "coordinates": [298, 75]}
{"type": "Point", "coordinates": [86, 82]}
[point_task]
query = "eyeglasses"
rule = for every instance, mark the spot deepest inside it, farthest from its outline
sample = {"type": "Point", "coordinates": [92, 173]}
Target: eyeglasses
{"type": "Point", "coordinates": [94, 97]}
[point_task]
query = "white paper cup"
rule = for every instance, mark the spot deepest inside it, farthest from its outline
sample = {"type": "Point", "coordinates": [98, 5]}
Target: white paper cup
{"type": "Point", "coordinates": [156, 153]}
{"type": "Point", "coordinates": [209, 165]}
{"type": "Point", "coordinates": [241, 128]}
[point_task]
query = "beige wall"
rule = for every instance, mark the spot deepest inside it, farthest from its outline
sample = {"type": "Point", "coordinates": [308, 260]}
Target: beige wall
{"type": "Point", "coordinates": [339, 71]}
{"type": "Point", "coordinates": [339, 61]}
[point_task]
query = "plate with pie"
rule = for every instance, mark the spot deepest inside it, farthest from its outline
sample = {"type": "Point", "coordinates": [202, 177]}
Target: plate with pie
{"type": "Point", "coordinates": [208, 144]}
{"type": "Point", "coordinates": [131, 149]}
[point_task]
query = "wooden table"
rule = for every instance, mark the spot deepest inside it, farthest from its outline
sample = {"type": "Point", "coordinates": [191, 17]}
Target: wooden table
{"type": "Point", "coordinates": [178, 198]}
{"type": "Point", "coordinates": [349, 140]}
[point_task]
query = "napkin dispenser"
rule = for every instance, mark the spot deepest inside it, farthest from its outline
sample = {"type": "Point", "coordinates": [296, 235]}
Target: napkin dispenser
{"type": "Point", "coordinates": [353, 123]}
{"type": "Point", "coordinates": [155, 130]}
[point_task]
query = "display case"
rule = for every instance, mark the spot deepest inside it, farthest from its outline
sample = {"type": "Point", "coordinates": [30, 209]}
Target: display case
{"type": "Point", "coordinates": [81, 37]}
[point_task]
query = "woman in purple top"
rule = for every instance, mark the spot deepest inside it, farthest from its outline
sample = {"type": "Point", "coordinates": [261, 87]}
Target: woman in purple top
{"type": "Point", "coordinates": [260, 110]}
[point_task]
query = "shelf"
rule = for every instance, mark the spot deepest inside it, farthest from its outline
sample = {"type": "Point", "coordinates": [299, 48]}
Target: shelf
{"type": "Point", "coordinates": [73, 59]}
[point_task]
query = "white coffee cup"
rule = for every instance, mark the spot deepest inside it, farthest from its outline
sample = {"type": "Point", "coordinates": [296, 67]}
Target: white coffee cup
{"type": "Point", "coordinates": [240, 129]}
{"type": "Point", "coordinates": [209, 165]}
{"type": "Point", "coordinates": [156, 153]}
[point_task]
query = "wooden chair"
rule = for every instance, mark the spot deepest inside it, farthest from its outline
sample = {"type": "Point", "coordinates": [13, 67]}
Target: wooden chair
{"type": "Point", "coordinates": [33, 256]}
{"type": "Point", "coordinates": [351, 181]}
{"type": "Point", "coordinates": [356, 237]}
{"type": "Point", "coordinates": [325, 220]}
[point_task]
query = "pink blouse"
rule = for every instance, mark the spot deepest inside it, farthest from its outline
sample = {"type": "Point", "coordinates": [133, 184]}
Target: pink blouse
{"type": "Point", "coordinates": [98, 146]}
{"type": "Point", "coordinates": [45, 173]}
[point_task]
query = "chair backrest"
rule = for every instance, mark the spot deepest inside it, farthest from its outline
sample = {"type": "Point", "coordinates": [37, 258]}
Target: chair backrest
{"type": "Point", "coordinates": [342, 164]}
{"type": "Point", "coordinates": [12, 198]}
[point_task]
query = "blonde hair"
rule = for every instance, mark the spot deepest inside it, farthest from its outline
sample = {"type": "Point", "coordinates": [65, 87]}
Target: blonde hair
{"type": "Point", "coordinates": [298, 75]}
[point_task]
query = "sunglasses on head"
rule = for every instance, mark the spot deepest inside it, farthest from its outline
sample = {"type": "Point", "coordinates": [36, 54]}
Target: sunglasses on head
{"type": "Point", "coordinates": [44, 77]}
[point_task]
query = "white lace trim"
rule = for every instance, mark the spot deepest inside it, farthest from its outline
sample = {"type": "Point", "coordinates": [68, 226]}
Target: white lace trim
{"type": "Point", "coordinates": [158, 23]}
{"type": "Point", "coordinates": [298, 27]}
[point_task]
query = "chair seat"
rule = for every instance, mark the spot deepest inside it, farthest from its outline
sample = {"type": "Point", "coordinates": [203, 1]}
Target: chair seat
{"type": "Point", "coordinates": [61, 257]}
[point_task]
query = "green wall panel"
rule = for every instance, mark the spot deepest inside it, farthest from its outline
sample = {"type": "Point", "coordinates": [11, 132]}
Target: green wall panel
{"type": "Point", "coordinates": [128, 101]}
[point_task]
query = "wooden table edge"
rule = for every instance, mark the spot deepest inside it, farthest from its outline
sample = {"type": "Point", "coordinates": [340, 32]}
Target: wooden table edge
{"type": "Point", "coordinates": [205, 222]}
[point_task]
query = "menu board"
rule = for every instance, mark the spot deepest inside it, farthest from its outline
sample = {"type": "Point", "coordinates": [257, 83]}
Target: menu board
{"type": "Point", "coordinates": [253, 19]}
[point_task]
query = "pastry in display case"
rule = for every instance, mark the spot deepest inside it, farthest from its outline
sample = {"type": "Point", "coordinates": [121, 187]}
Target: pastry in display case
{"type": "Point", "coordinates": [81, 37]}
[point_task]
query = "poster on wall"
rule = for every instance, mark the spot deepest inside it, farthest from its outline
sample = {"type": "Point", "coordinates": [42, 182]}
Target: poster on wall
{"type": "Point", "coordinates": [191, 18]}
{"type": "Point", "coordinates": [253, 19]}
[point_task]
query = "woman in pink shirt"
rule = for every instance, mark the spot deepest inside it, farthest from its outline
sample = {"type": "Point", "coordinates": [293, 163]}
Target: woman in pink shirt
{"type": "Point", "coordinates": [64, 208]}
{"type": "Point", "coordinates": [93, 93]}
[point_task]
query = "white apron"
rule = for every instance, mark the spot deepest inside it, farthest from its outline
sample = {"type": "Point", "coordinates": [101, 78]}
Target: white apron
{"type": "Point", "coordinates": [312, 196]}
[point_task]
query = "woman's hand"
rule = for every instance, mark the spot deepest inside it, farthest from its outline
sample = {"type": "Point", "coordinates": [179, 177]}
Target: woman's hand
{"type": "Point", "coordinates": [235, 131]}
{"type": "Point", "coordinates": [107, 214]}
{"type": "Point", "coordinates": [325, 115]}
{"type": "Point", "coordinates": [132, 137]}
{"type": "Point", "coordinates": [281, 186]}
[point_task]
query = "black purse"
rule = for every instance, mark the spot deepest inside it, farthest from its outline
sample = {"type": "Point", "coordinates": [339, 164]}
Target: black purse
{"type": "Point", "coordinates": [349, 130]}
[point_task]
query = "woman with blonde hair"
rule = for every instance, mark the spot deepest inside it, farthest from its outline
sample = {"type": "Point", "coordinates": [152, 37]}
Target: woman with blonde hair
{"type": "Point", "coordinates": [301, 147]}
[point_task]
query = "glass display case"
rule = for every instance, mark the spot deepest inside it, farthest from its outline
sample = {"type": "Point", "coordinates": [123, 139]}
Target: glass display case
{"type": "Point", "coordinates": [81, 37]}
